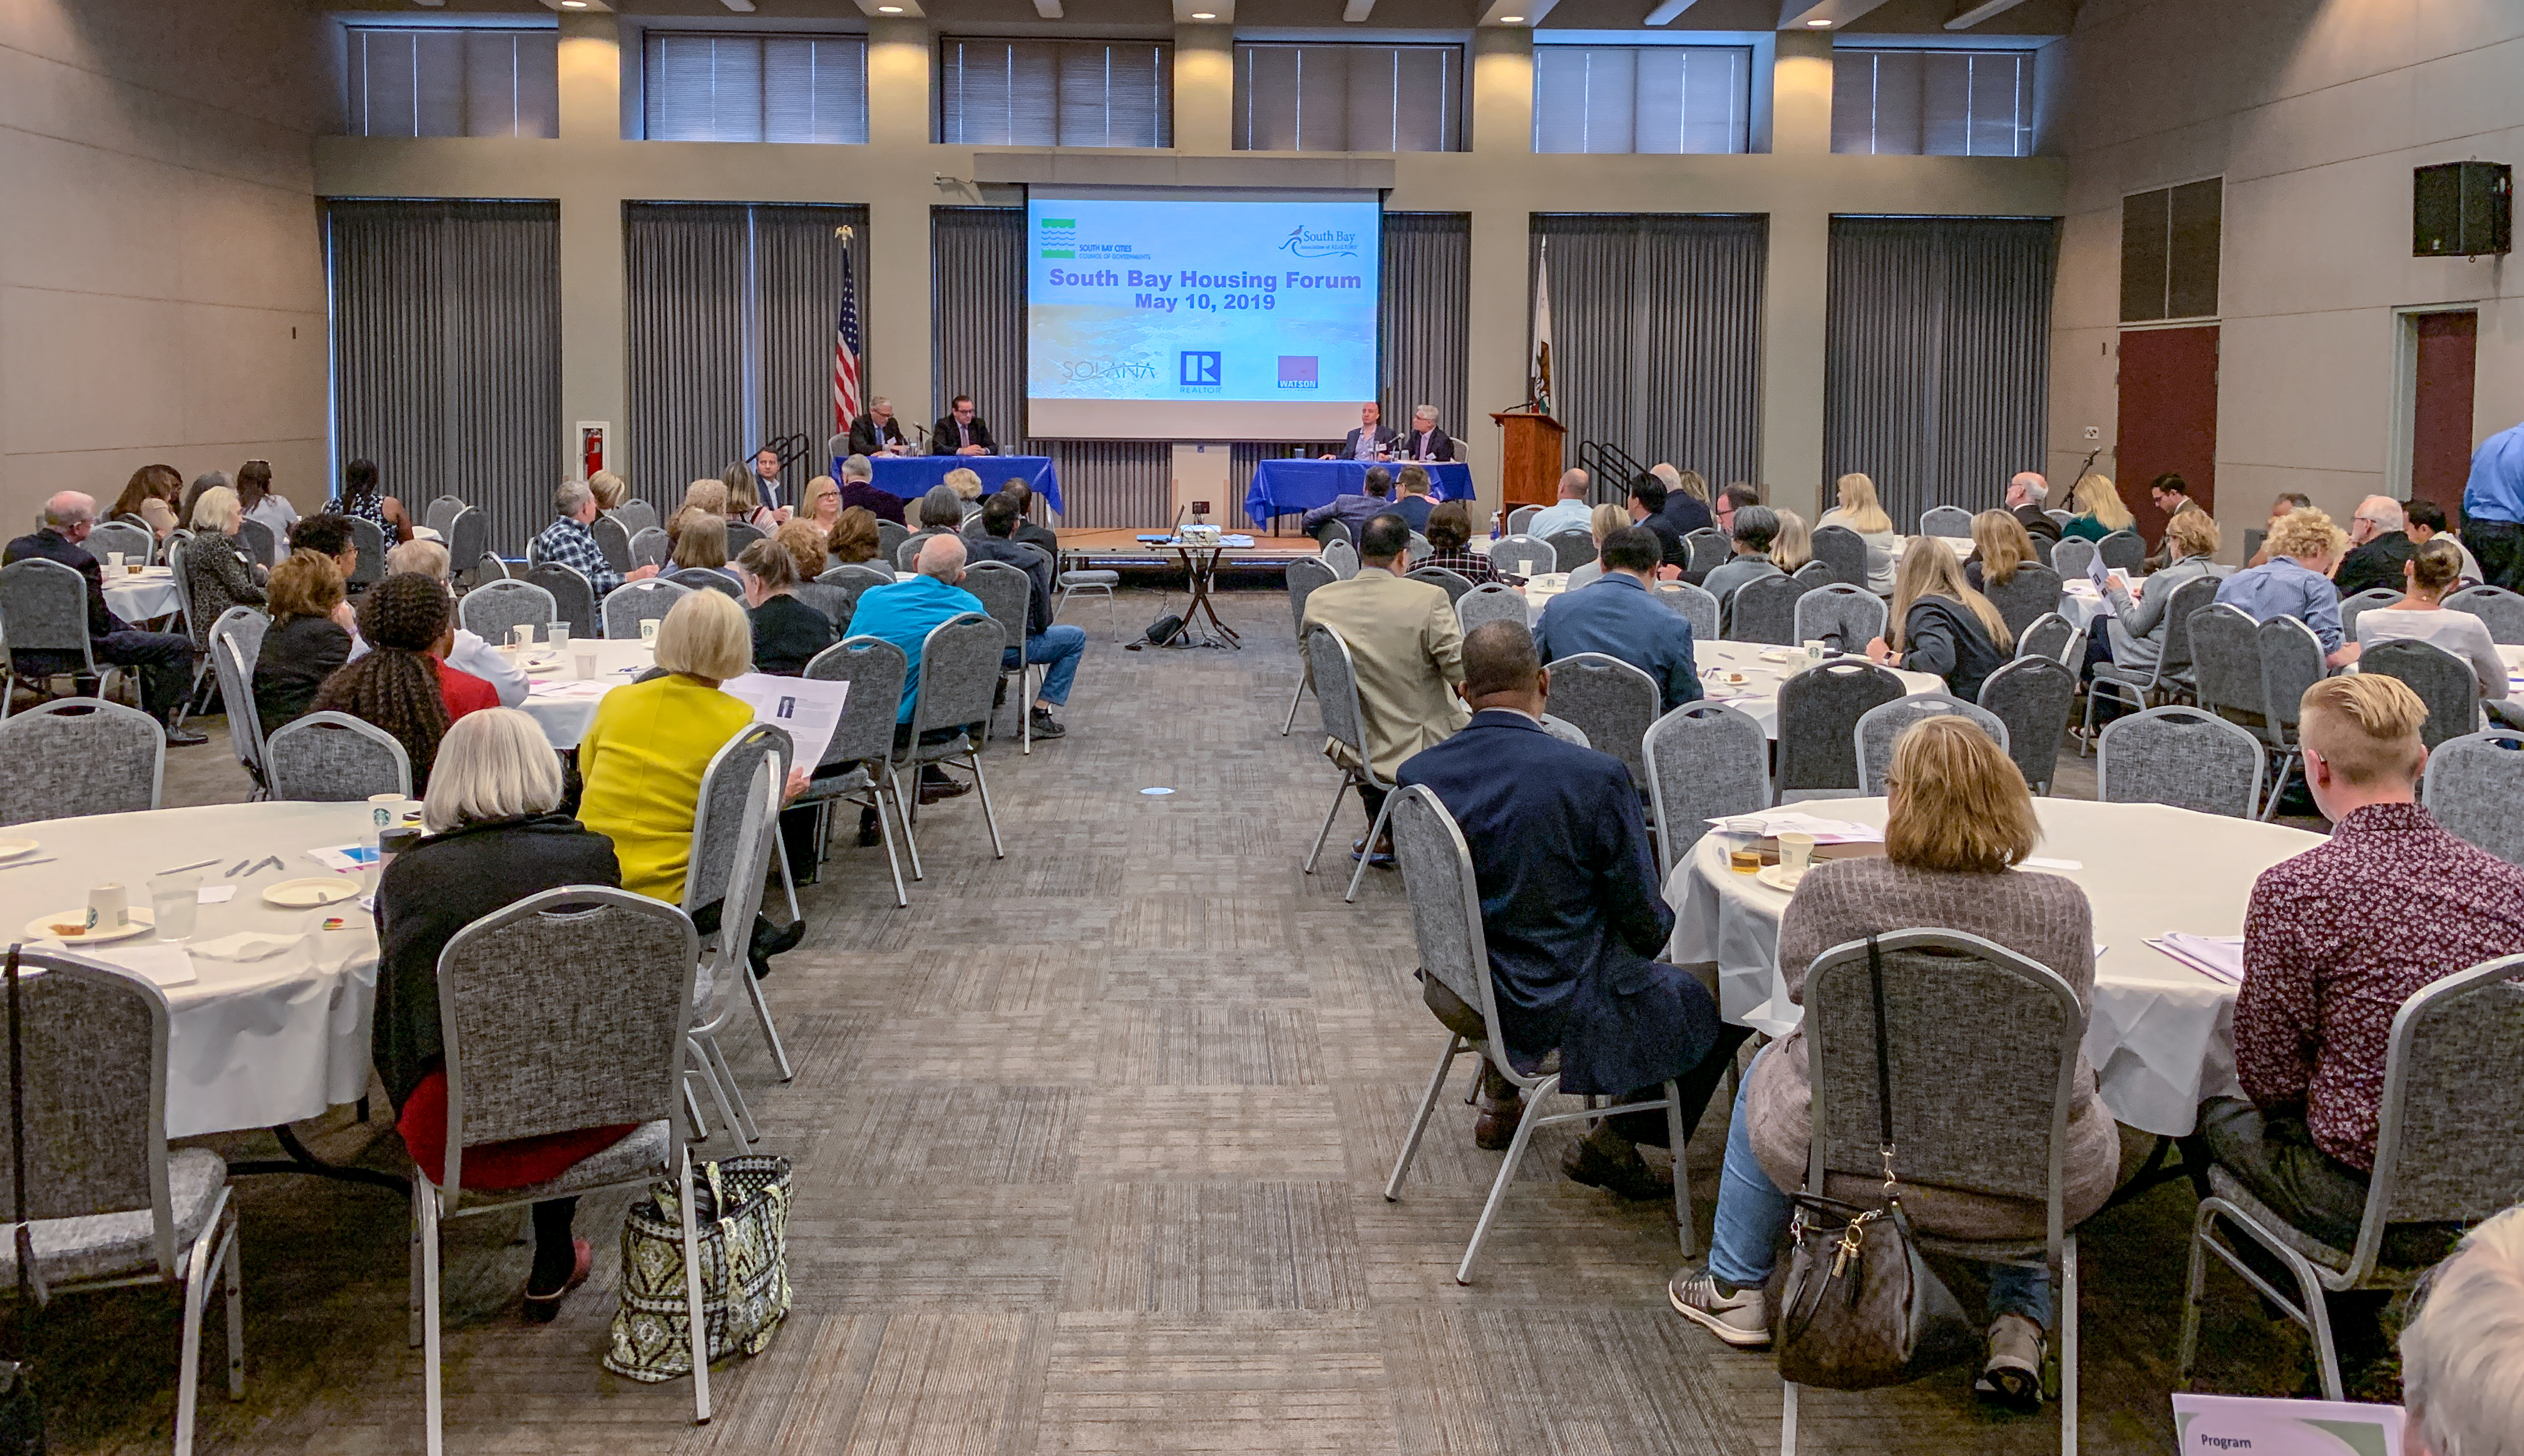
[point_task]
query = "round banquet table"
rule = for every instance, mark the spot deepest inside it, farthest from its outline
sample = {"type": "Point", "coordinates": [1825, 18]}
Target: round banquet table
{"type": "Point", "coordinates": [562, 705]}
{"type": "Point", "coordinates": [2161, 1035]}
{"type": "Point", "coordinates": [142, 596]}
{"type": "Point", "coordinates": [1758, 695]}
{"type": "Point", "coordinates": [251, 1043]}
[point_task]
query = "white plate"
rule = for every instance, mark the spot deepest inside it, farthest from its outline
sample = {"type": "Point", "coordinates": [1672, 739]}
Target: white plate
{"type": "Point", "coordinates": [1780, 877]}
{"type": "Point", "coordinates": [311, 893]}
{"type": "Point", "coordinates": [42, 927]}
{"type": "Point", "coordinates": [20, 850]}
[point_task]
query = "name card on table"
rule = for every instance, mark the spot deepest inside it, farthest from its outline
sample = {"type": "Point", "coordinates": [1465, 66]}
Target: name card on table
{"type": "Point", "coordinates": [2226, 1424]}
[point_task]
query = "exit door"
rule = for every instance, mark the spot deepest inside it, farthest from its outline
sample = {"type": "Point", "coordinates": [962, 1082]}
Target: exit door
{"type": "Point", "coordinates": [2441, 384]}
{"type": "Point", "coordinates": [2168, 417]}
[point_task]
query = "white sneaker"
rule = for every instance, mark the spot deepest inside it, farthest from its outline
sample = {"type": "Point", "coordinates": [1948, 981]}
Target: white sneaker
{"type": "Point", "coordinates": [2013, 1377]}
{"type": "Point", "coordinates": [1741, 1319]}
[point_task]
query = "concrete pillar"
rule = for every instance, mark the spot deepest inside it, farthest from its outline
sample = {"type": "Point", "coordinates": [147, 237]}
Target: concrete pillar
{"type": "Point", "coordinates": [1502, 289]}
{"type": "Point", "coordinates": [593, 381]}
{"type": "Point", "coordinates": [1792, 304]}
{"type": "Point", "coordinates": [895, 310]}
{"type": "Point", "coordinates": [1204, 89]}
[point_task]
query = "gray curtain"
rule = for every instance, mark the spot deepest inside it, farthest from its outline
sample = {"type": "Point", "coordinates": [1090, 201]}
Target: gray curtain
{"type": "Point", "coordinates": [731, 309]}
{"type": "Point", "coordinates": [1656, 321]}
{"type": "Point", "coordinates": [446, 353]}
{"type": "Point", "coordinates": [1936, 377]}
{"type": "Point", "coordinates": [1426, 312]}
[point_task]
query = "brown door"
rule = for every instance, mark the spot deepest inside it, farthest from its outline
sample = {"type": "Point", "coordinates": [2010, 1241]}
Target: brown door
{"type": "Point", "coordinates": [2168, 421]}
{"type": "Point", "coordinates": [2441, 409]}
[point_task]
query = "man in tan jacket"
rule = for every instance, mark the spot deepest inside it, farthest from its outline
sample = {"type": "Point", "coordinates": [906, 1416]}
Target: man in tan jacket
{"type": "Point", "coordinates": [1408, 652]}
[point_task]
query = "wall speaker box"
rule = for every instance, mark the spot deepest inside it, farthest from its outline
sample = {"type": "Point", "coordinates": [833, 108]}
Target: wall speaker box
{"type": "Point", "coordinates": [2462, 209]}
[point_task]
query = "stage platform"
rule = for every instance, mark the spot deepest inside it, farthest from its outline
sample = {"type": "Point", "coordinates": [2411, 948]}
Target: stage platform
{"type": "Point", "coordinates": [1121, 551]}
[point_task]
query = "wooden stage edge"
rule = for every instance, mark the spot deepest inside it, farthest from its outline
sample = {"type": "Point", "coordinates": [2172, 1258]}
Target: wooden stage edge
{"type": "Point", "coordinates": [1121, 548]}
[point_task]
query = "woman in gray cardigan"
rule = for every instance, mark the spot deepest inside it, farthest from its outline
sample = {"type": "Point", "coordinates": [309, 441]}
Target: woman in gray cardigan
{"type": "Point", "coordinates": [2136, 623]}
{"type": "Point", "coordinates": [1958, 819]}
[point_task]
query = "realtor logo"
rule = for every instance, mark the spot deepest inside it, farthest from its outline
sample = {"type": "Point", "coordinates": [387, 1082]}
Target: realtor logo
{"type": "Point", "coordinates": [1198, 368]}
{"type": "Point", "coordinates": [1297, 371]}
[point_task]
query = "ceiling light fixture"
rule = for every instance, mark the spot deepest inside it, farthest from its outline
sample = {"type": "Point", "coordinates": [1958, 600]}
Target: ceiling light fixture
{"type": "Point", "coordinates": [889, 10]}
{"type": "Point", "coordinates": [1204, 15]}
{"type": "Point", "coordinates": [1511, 19]}
{"type": "Point", "coordinates": [574, 3]}
{"type": "Point", "coordinates": [1819, 25]}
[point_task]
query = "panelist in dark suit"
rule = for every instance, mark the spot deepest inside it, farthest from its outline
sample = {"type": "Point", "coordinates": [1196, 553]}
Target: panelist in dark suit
{"type": "Point", "coordinates": [1426, 442]}
{"type": "Point", "coordinates": [878, 432]}
{"type": "Point", "coordinates": [1571, 914]}
{"type": "Point", "coordinates": [166, 659]}
{"type": "Point", "coordinates": [961, 432]}
{"type": "Point", "coordinates": [1370, 441]}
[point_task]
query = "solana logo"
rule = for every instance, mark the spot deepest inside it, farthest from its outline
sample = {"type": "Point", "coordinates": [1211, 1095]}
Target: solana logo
{"type": "Point", "coordinates": [1059, 237]}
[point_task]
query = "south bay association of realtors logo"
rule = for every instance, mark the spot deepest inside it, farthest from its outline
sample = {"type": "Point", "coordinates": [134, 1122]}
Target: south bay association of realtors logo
{"type": "Point", "coordinates": [1319, 242]}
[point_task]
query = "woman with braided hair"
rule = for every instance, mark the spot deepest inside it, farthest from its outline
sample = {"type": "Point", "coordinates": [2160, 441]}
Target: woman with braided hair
{"type": "Point", "coordinates": [403, 684]}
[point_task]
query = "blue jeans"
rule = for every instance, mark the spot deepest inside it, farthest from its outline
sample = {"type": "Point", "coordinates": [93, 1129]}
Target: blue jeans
{"type": "Point", "coordinates": [1752, 1213]}
{"type": "Point", "coordinates": [1058, 644]}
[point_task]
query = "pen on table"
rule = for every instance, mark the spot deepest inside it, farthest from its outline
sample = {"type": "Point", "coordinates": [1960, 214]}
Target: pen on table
{"type": "Point", "coordinates": [196, 864]}
{"type": "Point", "coordinates": [22, 863]}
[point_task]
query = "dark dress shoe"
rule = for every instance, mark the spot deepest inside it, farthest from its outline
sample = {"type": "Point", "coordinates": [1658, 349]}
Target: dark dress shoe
{"type": "Point", "coordinates": [1624, 1178]}
{"type": "Point", "coordinates": [1495, 1128]}
{"type": "Point", "coordinates": [183, 738]}
{"type": "Point", "coordinates": [935, 790]}
{"type": "Point", "coordinates": [871, 834]}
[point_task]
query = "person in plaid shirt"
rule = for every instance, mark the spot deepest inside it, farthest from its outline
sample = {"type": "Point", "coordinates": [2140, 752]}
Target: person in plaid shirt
{"type": "Point", "coordinates": [1450, 525]}
{"type": "Point", "coordinates": [567, 541]}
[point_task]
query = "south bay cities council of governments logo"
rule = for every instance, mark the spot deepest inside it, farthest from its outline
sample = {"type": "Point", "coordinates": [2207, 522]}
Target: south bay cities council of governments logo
{"type": "Point", "coordinates": [1319, 242]}
{"type": "Point", "coordinates": [1059, 237]}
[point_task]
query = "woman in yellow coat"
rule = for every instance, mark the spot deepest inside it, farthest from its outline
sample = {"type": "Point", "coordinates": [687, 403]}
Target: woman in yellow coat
{"type": "Point", "coordinates": [643, 758]}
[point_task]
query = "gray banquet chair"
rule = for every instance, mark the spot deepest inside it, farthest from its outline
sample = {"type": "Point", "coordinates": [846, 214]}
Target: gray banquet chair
{"type": "Point", "coordinates": [1704, 761]}
{"type": "Point", "coordinates": [1709, 549]}
{"type": "Point", "coordinates": [1565, 731]}
{"type": "Point", "coordinates": [960, 667]}
{"type": "Point", "coordinates": [1487, 602]}
{"type": "Point", "coordinates": [1520, 517]}
{"type": "Point", "coordinates": [2181, 757]}
{"type": "Point", "coordinates": [1762, 610]}
{"type": "Point", "coordinates": [1094, 581]}
{"type": "Point", "coordinates": [861, 741]}
{"type": "Point", "coordinates": [573, 596]}
{"type": "Point", "coordinates": [468, 539]}
{"type": "Point", "coordinates": [1844, 551]}
{"type": "Point", "coordinates": [119, 754]}
{"type": "Point", "coordinates": [109, 1203]}
{"type": "Point", "coordinates": [2137, 686]}
{"type": "Point", "coordinates": [2048, 637]}
{"type": "Point", "coordinates": [371, 538]}
{"type": "Point", "coordinates": [1420, 549]}
{"type": "Point", "coordinates": [740, 535]}
{"type": "Point", "coordinates": [1524, 555]}
{"type": "Point", "coordinates": [735, 839]}
{"type": "Point", "coordinates": [1446, 920]}
{"type": "Point", "coordinates": [1610, 702]}
{"type": "Point", "coordinates": [629, 605]}
{"type": "Point", "coordinates": [45, 605]}
{"type": "Point", "coordinates": [2073, 557]}
{"type": "Point", "coordinates": [2029, 592]}
{"type": "Point", "coordinates": [136, 543]}
{"type": "Point", "coordinates": [1818, 709]}
{"type": "Point", "coordinates": [2032, 697]}
{"type": "Point", "coordinates": [1880, 727]}
{"type": "Point", "coordinates": [489, 610]}
{"type": "Point", "coordinates": [2291, 662]}
{"type": "Point", "coordinates": [1305, 573]}
{"type": "Point", "coordinates": [614, 538]}
{"type": "Point", "coordinates": [890, 536]}
{"type": "Point", "coordinates": [331, 757]}
{"type": "Point", "coordinates": [1334, 678]}
{"type": "Point", "coordinates": [2359, 604]}
{"type": "Point", "coordinates": [2475, 788]}
{"type": "Point", "coordinates": [2226, 668]}
{"type": "Point", "coordinates": [2501, 610]}
{"type": "Point", "coordinates": [859, 577]}
{"type": "Point", "coordinates": [1844, 618]}
{"type": "Point", "coordinates": [1944, 520]}
{"type": "Point", "coordinates": [232, 663]}
{"type": "Point", "coordinates": [1814, 574]}
{"type": "Point", "coordinates": [2446, 1152]}
{"type": "Point", "coordinates": [706, 579]}
{"type": "Point", "coordinates": [1979, 1101]}
{"type": "Point", "coordinates": [1454, 583]}
{"type": "Point", "coordinates": [637, 514]}
{"type": "Point", "coordinates": [838, 604]}
{"type": "Point", "coordinates": [260, 541]}
{"type": "Point", "coordinates": [566, 1010]}
{"type": "Point", "coordinates": [440, 513]}
{"type": "Point", "coordinates": [2444, 682]}
{"type": "Point", "coordinates": [1341, 557]}
{"type": "Point", "coordinates": [1007, 594]}
{"type": "Point", "coordinates": [2123, 550]}
{"type": "Point", "coordinates": [1572, 548]}
{"type": "Point", "coordinates": [649, 547]}
{"type": "Point", "coordinates": [1694, 605]}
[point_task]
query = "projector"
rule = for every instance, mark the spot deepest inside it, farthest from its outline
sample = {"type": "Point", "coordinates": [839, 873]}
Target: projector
{"type": "Point", "coordinates": [1199, 535]}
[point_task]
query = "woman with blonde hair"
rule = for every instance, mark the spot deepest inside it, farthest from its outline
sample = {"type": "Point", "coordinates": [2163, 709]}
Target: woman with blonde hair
{"type": "Point", "coordinates": [966, 484]}
{"type": "Point", "coordinates": [611, 490]}
{"type": "Point", "coordinates": [1940, 625]}
{"type": "Point", "coordinates": [823, 503]}
{"type": "Point", "coordinates": [708, 497]}
{"type": "Point", "coordinates": [701, 543]}
{"type": "Point", "coordinates": [1999, 545]}
{"type": "Point", "coordinates": [218, 572]}
{"type": "Point", "coordinates": [2135, 634]}
{"type": "Point", "coordinates": [1957, 823]}
{"type": "Point", "coordinates": [643, 755]}
{"type": "Point", "coordinates": [1861, 513]}
{"type": "Point", "coordinates": [2305, 548]}
{"type": "Point", "coordinates": [1603, 522]}
{"type": "Point", "coordinates": [2421, 616]}
{"type": "Point", "coordinates": [1793, 545]}
{"type": "Point", "coordinates": [744, 499]}
{"type": "Point", "coordinates": [2100, 510]}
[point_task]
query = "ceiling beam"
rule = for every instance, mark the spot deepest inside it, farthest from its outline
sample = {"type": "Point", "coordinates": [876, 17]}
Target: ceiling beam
{"type": "Point", "coordinates": [1666, 11]}
{"type": "Point", "coordinates": [1822, 15]}
{"type": "Point", "coordinates": [1973, 15]}
{"type": "Point", "coordinates": [1523, 14]}
{"type": "Point", "coordinates": [1357, 10]}
{"type": "Point", "coordinates": [1050, 10]}
{"type": "Point", "coordinates": [741, 7]}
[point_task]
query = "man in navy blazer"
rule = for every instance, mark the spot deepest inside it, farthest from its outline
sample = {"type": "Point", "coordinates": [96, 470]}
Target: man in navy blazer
{"type": "Point", "coordinates": [1616, 615]}
{"type": "Point", "coordinates": [1574, 922]}
{"type": "Point", "coordinates": [1352, 512]}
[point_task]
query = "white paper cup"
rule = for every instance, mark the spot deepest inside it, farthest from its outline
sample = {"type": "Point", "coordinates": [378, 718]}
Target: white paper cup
{"type": "Point", "coordinates": [648, 633]}
{"type": "Point", "coordinates": [1815, 647]}
{"type": "Point", "coordinates": [114, 562]}
{"type": "Point", "coordinates": [584, 660]}
{"type": "Point", "coordinates": [1796, 852]}
{"type": "Point", "coordinates": [109, 907]}
{"type": "Point", "coordinates": [522, 635]}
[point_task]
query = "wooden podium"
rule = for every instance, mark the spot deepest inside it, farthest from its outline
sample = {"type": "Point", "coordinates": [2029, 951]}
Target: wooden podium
{"type": "Point", "coordinates": [1529, 464]}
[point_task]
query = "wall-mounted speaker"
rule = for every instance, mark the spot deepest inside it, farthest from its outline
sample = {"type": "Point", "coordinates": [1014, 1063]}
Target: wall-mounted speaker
{"type": "Point", "coordinates": [2462, 209]}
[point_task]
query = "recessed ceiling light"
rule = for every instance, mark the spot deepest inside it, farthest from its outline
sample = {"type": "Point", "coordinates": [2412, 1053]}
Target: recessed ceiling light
{"type": "Point", "coordinates": [1511, 19]}
{"type": "Point", "coordinates": [574, 3]}
{"type": "Point", "coordinates": [1819, 25]}
{"type": "Point", "coordinates": [1204, 15]}
{"type": "Point", "coordinates": [889, 10]}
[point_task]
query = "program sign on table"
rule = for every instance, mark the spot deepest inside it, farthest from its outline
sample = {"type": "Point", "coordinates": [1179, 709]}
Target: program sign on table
{"type": "Point", "coordinates": [1184, 314]}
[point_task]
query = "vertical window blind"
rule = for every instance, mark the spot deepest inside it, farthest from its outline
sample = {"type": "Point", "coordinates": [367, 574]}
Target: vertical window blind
{"type": "Point", "coordinates": [1055, 93]}
{"type": "Point", "coordinates": [407, 81]}
{"type": "Point", "coordinates": [1642, 98]}
{"type": "Point", "coordinates": [774, 88]}
{"type": "Point", "coordinates": [1349, 98]}
{"type": "Point", "coordinates": [1921, 103]}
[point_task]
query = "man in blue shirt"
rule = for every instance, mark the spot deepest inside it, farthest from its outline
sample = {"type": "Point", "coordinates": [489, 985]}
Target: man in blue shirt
{"type": "Point", "coordinates": [2304, 547]}
{"type": "Point", "coordinates": [2492, 509]}
{"type": "Point", "coordinates": [905, 613]}
{"type": "Point", "coordinates": [1618, 617]}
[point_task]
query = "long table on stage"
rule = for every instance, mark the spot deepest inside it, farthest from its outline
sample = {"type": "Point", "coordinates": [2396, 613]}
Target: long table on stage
{"type": "Point", "coordinates": [1290, 487]}
{"type": "Point", "coordinates": [912, 477]}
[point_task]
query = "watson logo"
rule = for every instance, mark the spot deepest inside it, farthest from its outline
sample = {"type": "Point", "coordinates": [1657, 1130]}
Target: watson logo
{"type": "Point", "coordinates": [1298, 372]}
{"type": "Point", "coordinates": [1059, 237]}
{"type": "Point", "coordinates": [1319, 242]}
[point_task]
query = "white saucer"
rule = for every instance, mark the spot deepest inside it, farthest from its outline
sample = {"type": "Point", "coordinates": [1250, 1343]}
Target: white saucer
{"type": "Point", "coordinates": [311, 893]}
{"type": "Point", "coordinates": [42, 927]}
{"type": "Point", "coordinates": [1780, 877]}
{"type": "Point", "coordinates": [20, 850]}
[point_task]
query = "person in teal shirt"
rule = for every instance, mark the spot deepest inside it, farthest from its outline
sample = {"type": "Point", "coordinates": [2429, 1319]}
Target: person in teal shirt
{"type": "Point", "coordinates": [905, 613]}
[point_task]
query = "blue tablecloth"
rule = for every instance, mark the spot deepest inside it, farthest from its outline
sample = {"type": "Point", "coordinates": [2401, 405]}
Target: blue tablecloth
{"type": "Point", "coordinates": [1286, 487]}
{"type": "Point", "coordinates": [912, 477]}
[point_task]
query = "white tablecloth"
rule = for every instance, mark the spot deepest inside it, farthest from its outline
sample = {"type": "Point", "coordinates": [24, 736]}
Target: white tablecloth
{"type": "Point", "coordinates": [2161, 1037]}
{"type": "Point", "coordinates": [139, 597]}
{"type": "Point", "coordinates": [562, 705]}
{"type": "Point", "coordinates": [252, 1044]}
{"type": "Point", "coordinates": [1759, 694]}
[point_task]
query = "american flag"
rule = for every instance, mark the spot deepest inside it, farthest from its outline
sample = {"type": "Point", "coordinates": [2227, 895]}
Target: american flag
{"type": "Point", "coordinates": [845, 347]}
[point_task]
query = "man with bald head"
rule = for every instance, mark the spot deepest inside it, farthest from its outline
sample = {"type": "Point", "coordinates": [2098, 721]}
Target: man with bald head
{"type": "Point", "coordinates": [1573, 918]}
{"type": "Point", "coordinates": [1567, 513]}
{"type": "Point", "coordinates": [2379, 542]}
{"type": "Point", "coordinates": [2025, 493]}
{"type": "Point", "coordinates": [905, 613]}
{"type": "Point", "coordinates": [164, 659]}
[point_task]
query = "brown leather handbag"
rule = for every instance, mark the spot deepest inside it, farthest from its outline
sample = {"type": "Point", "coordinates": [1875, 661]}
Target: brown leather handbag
{"type": "Point", "coordinates": [1859, 1307]}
